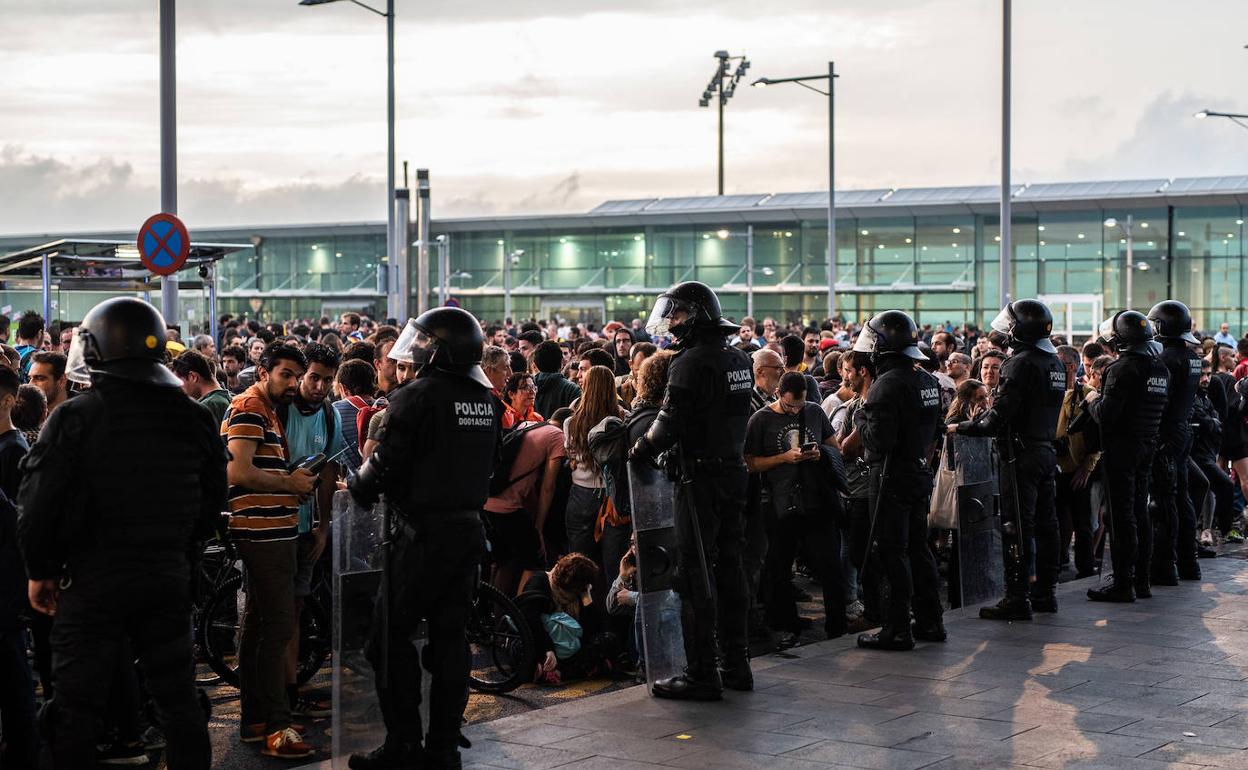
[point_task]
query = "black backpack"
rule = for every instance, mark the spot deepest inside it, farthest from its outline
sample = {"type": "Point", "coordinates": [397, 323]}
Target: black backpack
{"type": "Point", "coordinates": [508, 451]}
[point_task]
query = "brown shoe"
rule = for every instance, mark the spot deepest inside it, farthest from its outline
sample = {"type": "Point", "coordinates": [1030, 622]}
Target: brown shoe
{"type": "Point", "coordinates": [860, 624]}
{"type": "Point", "coordinates": [286, 743]}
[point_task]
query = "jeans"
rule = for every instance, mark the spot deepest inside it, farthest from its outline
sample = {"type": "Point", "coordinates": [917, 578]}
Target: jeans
{"type": "Point", "coordinates": [580, 520]}
{"type": "Point", "coordinates": [268, 624]}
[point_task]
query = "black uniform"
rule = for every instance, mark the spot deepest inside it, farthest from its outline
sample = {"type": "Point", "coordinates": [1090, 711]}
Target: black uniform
{"type": "Point", "coordinates": [439, 447]}
{"type": "Point", "coordinates": [122, 486]}
{"type": "Point", "coordinates": [1175, 536]}
{"type": "Point", "coordinates": [1128, 411]}
{"type": "Point", "coordinates": [898, 425]}
{"type": "Point", "coordinates": [704, 417]}
{"type": "Point", "coordinates": [1206, 446]}
{"type": "Point", "coordinates": [1023, 417]}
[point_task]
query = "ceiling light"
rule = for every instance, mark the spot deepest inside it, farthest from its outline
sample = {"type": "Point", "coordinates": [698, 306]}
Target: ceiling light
{"type": "Point", "coordinates": [866, 232]}
{"type": "Point", "coordinates": [996, 238]}
{"type": "Point", "coordinates": [636, 237]}
{"type": "Point", "coordinates": [722, 234]}
{"type": "Point", "coordinates": [500, 241]}
{"type": "Point", "coordinates": [909, 240]}
{"type": "Point", "coordinates": [1239, 221]}
{"type": "Point", "coordinates": [1042, 243]}
{"type": "Point", "coordinates": [1080, 236]}
{"type": "Point", "coordinates": [1181, 233]}
{"type": "Point", "coordinates": [1040, 228]}
{"type": "Point", "coordinates": [957, 230]}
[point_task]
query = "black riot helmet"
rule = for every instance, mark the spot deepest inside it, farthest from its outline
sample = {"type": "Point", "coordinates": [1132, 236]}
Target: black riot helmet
{"type": "Point", "coordinates": [452, 339]}
{"type": "Point", "coordinates": [1172, 321]}
{"type": "Point", "coordinates": [122, 337]}
{"type": "Point", "coordinates": [1026, 321]}
{"type": "Point", "coordinates": [1128, 331]}
{"type": "Point", "coordinates": [890, 332]}
{"type": "Point", "coordinates": [685, 308]}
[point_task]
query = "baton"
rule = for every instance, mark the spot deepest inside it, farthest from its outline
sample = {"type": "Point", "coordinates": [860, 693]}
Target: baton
{"type": "Point", "coordinates": [875, 510]}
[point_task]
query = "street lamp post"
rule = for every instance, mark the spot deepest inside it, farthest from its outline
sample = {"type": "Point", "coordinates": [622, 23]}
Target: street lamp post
{"type": "Point", "coordinates": [508, 261]}
{"type": "Point", "coordinates": [391, 228]}
{"type": "Point", "coordinates": [830, 93]}
{"type": "Point", "coordinates": [1112, 223]}
{"type": "Point", "coordinates": [168, 148]}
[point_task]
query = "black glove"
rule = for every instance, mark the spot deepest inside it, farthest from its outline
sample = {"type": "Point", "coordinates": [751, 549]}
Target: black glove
{"type": "Point", "coordinates": [365, 486]}
{"type": "Point", "coordinates": [642, 451]}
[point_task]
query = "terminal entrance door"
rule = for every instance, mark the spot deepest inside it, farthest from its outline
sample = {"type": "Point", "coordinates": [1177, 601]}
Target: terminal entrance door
{"type": "Point", "coordinates": [1076, 316]}
{"type": "Point", "coordinates": [575, 310]}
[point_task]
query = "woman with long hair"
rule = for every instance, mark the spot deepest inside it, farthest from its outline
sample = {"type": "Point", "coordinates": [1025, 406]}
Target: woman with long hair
{"type": "Point", "coordinates": [969, 400]}
{"type": "Point", "coordinates": [593, 526]}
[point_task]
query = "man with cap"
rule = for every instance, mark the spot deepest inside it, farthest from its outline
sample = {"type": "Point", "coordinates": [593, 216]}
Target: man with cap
{"type": "Point", "coordinates": [898, 427]}
{"type": "Point", "coordinates": [1128, 410]}
{"type": "Point", "coordinates": [106, 552]}
{"type": "Point", "coordinates": [1023, 418]}
{"type": "Point", "coordinates": [432, 463]}
{"type": "Point", "coordinates": [703, 419]}
{"type": "Point", "coordinates": [1174, 544]}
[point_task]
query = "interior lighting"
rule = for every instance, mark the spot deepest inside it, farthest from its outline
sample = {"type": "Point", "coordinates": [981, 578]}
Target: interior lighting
{"type": "Point", "coordinates": [1239, 221]}
{"type": "Point", "coordinates": [500, 241]}
{"type": "Point", "coordinates": [1144, 224]}
{"type": "Point", "coordinates": [636, 237]}
{"type": "Point", "coordinates": [957, 230]}
{"type": "Point", "coordinates": [1040, 228]}
{"type": "Point", "coordinates": [563, 240]}
{"type": "Point", "coordinates": [866, 232]}
{"type": "Point", "coordinates": [1080, 236]}
{"type": "Point", "coordinates": [909, 240]}
{"type": "Point", "coordinates": [722, 234]}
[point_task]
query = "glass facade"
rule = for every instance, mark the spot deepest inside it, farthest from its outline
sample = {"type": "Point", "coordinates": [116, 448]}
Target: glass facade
{"type": "Point", "coordinates": [939, 262]}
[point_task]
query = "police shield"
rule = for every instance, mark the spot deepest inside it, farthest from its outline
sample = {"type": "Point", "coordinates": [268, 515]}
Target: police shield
{"type": "Point", "coordinates": [658, 604]}
{"type": "Point", "coordinates": [981, 576]}
{"type": "Point", "coordinates": [358, 535]}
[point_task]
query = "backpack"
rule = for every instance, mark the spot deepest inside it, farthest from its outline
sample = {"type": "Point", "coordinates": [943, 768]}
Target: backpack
{"type": "Point", "coordinates": [363, 416]}
{"type": "Point", "coordinates": [508, 451]}
{"type": "Point", "coordinates": [25, 354]}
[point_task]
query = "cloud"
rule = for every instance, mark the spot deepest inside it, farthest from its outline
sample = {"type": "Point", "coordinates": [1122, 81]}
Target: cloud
{"type": "Point", "coordinates": [1168, 141]}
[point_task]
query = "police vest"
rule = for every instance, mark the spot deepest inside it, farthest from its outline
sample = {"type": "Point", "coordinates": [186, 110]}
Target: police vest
{"type": "Point", "coordinates": [1184, 367]}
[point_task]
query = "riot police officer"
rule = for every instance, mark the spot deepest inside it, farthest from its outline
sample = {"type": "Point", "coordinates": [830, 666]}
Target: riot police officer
{"type": "Point", "coordinates": [703, 419]}
{"type": "Point", "coordinates": [1174, 542]}
{"type": "Point", "coordinates": [123, 485]}
{"type": "Point", "coordinates": [433, 465]}
{"type": "Point", "coordinates": [898, 424]}
{"type": "Point", "coordinates": [1023, 418]}
{"type": "Point", "coordinates": [1128, 411]}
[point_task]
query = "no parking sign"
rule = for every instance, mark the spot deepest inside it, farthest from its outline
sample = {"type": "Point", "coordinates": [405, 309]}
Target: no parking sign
{"type": "Point", "coordinates": [163, 244]}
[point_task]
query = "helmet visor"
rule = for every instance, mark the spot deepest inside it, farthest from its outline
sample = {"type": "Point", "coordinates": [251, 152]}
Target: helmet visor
{"type": "Point", "coordinates": [866, 340]}
{"type": "Point", "coordinates": [668, 313]}
{"type": "Point", "coordinates": [76, 368]}
{"type": "Point", "coordinates": [1004, 321]}
{"type": "Point", "coordinates": [1107, 329]}
{"type": "Point", "coordinates": [411, 338]}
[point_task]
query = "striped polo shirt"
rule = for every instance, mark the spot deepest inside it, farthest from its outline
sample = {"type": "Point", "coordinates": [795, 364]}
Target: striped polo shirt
{"type": "Point", "coordinates": [260, 516]}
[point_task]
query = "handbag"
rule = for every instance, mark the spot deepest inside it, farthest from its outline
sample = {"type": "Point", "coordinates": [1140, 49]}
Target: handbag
{"type": "Point", "coordinates": [942, 513]}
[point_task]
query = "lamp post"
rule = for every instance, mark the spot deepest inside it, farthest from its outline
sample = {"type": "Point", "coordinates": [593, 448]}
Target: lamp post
{"type": "Point", "coordinates": [1006, 274]}
{"type": "Point", "coordinates": [508, 261]}
{"type": "Point", "coordinates": [1112, 224]}
{"type": "Point", "coordinates": [722, 86]}
{"type": "Point", "coordinates": [1237, 118]}
{"type": "Point", "coordinates": [444, 266]}
{"type": "Point", "coordinates": [748, 235]}
{"type": "Point", "coordinates": [830, 93]}
{"type": "Point", "coordinates": [168, 148]}
{"type": "Point", "coordinates": [392, 237]}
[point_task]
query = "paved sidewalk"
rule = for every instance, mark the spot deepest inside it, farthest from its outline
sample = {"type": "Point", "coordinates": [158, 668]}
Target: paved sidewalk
{"type": "Point", "coordinates": [1162, 683]}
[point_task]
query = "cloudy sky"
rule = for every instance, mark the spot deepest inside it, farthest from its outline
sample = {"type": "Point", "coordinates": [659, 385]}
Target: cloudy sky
{"type": "Point", "coordinates": [527, 106]}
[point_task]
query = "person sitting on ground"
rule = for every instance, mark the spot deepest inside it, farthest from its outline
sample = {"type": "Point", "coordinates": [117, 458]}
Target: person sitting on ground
{"type": "Point", "coordinates": [567, 624]}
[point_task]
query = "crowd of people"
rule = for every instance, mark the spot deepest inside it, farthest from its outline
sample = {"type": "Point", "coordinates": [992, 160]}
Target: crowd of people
{"type": "Point", "coordinates": [834, 429]}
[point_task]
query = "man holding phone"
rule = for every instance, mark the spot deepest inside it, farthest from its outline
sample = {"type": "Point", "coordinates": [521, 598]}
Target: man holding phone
{"type": "Point", "coordinates": [782, 443]}
{"type": "Point", "coordinates": [264, 500]}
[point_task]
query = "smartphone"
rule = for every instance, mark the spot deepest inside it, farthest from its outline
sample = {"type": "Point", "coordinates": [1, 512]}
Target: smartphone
{"type": "Point", "coordinates": [312, 463]}
{"type": "Point", "coordinates": [809, 447]}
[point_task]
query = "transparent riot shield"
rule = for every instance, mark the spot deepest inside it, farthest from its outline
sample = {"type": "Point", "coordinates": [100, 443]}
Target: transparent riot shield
{"type": "Point", "coordinates": [358, 536]}
{"type": "Point", "coordinates": [981, 576]}
{"type": "Point", "coordinates": [658, 606]}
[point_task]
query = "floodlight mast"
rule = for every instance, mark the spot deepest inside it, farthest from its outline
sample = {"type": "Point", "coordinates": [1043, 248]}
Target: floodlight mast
{"type": "Point", "coordinates": [721, 87]}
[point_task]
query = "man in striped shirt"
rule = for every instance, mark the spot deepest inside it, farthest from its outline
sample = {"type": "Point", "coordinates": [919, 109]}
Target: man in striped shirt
{"type": "Point", "coordinates": [264, 524]}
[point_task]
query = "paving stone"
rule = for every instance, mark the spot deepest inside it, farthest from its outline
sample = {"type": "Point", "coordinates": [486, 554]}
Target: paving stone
{"type": "Point", "coordinates": [1231, 738]}
{"type": "Point", "coordinates": [1118, 690]}
{"type": "Point", "coordinates": [658, 750]}
{"type": "Point", "coordinates": [729, 759]}
{"type": "Point", "coordinates": [910, 684]}
{"type": "Point", "coordinates": [540, 734]}
{"type": "Point", "coordinates": [1017, 696]}
{"type": "Point", "coordinates": [1076, 721]}
{"type": "Point", "coordinates": [1060, 745]}
{"type": "Point", "coordinates": [937, 704]}
{"type": "Point", "coordinates": [857, 755]}
{"type": "Point", "coordinates": [1206, 685]}
{"type": "Point", "coordinates": [1204, 717]}
{"type": "Point", "coordinates": [609, 763]}
{"type": "Point", "coordinates": [515, 756]}
{"type": "Point", "coordinates": [1200, 755]}
{"type": "Point", "coordinates": [753, 741]}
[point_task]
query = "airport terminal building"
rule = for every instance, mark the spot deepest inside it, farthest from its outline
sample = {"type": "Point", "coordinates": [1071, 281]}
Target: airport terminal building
{"type": "Point", "coordinates": [930, 251]}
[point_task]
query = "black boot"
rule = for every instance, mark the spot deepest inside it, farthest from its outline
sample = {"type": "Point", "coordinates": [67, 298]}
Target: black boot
{"type": "Point", "coordinates": [737, 675]}
{"type": "Point", "coordinates": [388, 756]}
{"type": "Point", "coordinates": [888, 639]}
{"type": "Point", "coordinates": [691, 685]}
{"type": "Point", "coordinates": [1143, 588]}
{"type": "Point", "coordinates": [1009, 608]}
{"type": "Point", "coordinates": [443, 759]}
{"type": "Point", "coordinates": [1044, 600]}
{"type": "Point", "coordinates": [1120, 593]}
{"type": "Point", "coordinates": [1189, 571]}
{"type": "Point", "coordinates": [931, 631]}
{"type": "Point", "coordinates": [1163, 575]}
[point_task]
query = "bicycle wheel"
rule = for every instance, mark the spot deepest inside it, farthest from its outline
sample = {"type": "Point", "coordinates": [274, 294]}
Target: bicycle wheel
{"type": "Point", "coordinates": [219, 629]}
{"type": "Point", "coordinates": [500, 641]}
{"type": "Point", "coordinates": [315, 639]}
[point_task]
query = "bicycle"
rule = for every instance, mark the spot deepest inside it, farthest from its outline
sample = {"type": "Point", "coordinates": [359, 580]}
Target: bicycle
{"type": "Point", "coordinates": [216, 566]}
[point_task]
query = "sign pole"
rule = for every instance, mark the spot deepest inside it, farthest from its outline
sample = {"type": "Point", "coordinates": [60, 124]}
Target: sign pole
{"type": "Point", "coordinates": [168, 147]}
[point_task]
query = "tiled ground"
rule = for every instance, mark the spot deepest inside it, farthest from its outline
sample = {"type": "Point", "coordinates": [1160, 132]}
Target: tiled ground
{"type": "Point", "coordinates": [1162, 683]}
